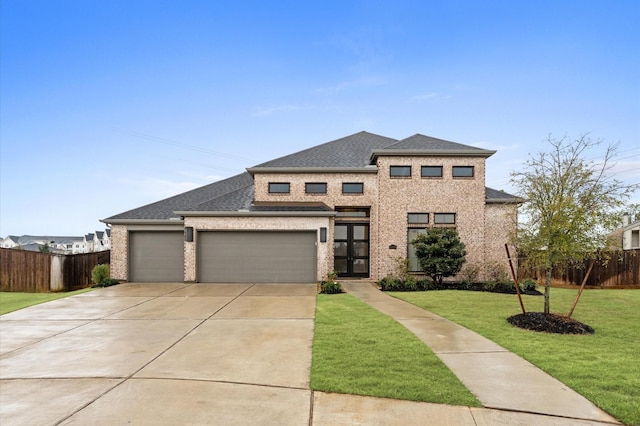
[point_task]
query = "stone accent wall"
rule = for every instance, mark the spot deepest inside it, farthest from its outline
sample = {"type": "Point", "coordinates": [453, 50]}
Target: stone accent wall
{"type": "Point", "coordinates": [324, 250]}
{"type": "Point", "coordinates": [399, 196]}
{"type": "Point", "coordinates": [119, 253]}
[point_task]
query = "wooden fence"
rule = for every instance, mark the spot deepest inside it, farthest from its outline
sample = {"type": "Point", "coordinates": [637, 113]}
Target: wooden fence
{"type": "Point", "coordinates": [35, 272]}
{"type": "Point", "coordinates": [621, 270]}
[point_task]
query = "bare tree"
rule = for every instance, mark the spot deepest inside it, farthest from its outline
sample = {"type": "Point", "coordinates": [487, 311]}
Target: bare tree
{"type": "Point", "coordinates": [570, 205]}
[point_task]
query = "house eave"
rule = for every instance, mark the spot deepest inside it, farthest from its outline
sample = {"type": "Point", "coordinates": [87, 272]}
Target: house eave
{"type": "Point", "coordinates": [176, 221]}
{"type": "Point", "coordinates": [299, 170]}
{"type": "Point", "coordinates": [504, 201]}
{"type": "Point", "coordinates": [431, 153]}
{"type": "Point", "coordinates": [248, 213]}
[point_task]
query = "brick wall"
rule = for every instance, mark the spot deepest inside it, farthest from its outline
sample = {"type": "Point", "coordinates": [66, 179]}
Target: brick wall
{"type": "Point", "coordinates": [119, 252]}
{"type": "Point", "coordinates": [399, 196]}
{"type": "Point", "coordinates": [324, 250]}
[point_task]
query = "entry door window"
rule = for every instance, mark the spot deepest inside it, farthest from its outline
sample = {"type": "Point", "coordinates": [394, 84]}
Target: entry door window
{"type": "Point", "coordinates": [351, 249]}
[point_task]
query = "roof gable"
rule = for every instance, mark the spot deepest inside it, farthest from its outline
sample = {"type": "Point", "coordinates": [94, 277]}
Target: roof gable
{"type": "Point", "coordinates": [350, 151]}
{"type": "Point", "coordinates": [426, 145]}
{"type": "Point", "coordinates": [164, 209]}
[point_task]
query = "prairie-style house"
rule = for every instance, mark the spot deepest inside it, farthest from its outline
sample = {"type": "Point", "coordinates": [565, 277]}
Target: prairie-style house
{"type": "Point", "coordinates": [351, 206]}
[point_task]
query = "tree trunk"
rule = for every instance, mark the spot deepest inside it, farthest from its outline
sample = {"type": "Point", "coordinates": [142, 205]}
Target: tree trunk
{"type": "Point", "coordinates": [547, 288]}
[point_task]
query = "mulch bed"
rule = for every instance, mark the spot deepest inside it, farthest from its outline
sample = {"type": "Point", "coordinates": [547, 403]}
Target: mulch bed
{"type": "Point", "coordinates": [549, 323]}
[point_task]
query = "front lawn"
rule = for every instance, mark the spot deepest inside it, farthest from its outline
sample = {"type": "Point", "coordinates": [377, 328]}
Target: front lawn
{"type": "Point", "coordinates": [12, 301]}
{"type": "Point", "coordinates": [604, 367]}
{"type": "Point", "coordinates": [358, 350]}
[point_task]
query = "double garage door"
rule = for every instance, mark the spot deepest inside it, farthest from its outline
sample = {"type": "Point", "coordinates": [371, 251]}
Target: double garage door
{"type": "Point", "coordinates": [225, 257]}
{"type": "Point", "coordinates": [257, 257]}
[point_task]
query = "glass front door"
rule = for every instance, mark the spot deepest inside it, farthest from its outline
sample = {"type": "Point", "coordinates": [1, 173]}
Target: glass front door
{"type": "Point", "coordinates": [351, 249]}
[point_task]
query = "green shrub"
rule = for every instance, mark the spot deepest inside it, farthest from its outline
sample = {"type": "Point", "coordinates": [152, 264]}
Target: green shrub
{"type": "Point", "coordinates": [528, 285]}
{"type": "Point", "coordinates": [331, 287]}
{"type": "Point", "coordinates": [100, 273]}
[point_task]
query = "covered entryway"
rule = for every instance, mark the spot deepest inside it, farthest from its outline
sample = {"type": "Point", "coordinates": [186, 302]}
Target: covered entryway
{"type": "Point", "coordinates": [156, 256]}
{"type": "Point", "coordinates": [257, 256]}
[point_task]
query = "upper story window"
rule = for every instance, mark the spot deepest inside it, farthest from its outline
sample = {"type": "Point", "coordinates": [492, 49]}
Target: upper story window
{"type": "Point", "coordinates": [431, 171]}
{"type": "Point", "coordinates": [400, 171]}
{"type": "Point", "coordinates": [353, 188]}
{"type": "Point", "coordinates": [462, 171]}
{"type": "Point", "coordinates": [279, 187]}
{"type": "Point", "coordinates": [444, 218]}
{"type": "Point", "coordinates": [418, 218]}
{"type": "Point", "coordinates": [315, 187]}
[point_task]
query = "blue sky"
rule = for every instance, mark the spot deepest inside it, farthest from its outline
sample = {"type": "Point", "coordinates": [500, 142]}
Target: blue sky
{"type": "Point", "coordinates": [109, 105]}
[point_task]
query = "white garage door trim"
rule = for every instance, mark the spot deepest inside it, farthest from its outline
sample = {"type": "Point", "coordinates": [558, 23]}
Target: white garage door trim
{"type": "Point", "coordinates": [156, 256]}
{"type": "Point", "coordinates": [257, 256]}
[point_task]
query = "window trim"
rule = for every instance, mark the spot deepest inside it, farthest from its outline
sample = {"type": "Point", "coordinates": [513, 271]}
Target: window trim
{"type": "Point", "coordinates": [306, 187]}
{"type": "Point", "coordinates": [400, 167]}
{"type": "Point", "coordinates": [422, 168]}
{"type": "Point", "coordinates": [436, 222]}
{"type": "Point", "coordinates": [410, 222]}
{"type": "Point", "coordinates": [353, 192]}
{"type": "Point", "coordinates": [453, 172]}
{"type": "Point", "coordinates": [288, 191]}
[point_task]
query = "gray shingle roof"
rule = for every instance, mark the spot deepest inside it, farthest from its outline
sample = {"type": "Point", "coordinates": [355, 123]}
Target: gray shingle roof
{"type": "Point", "coordinates": [350, 151]}
{"type": "Point", "coordinates": [163, 209]}
{"type": "Point", "coordinates": [354, 151]}
{"type": "Point", "coordinates": [495, 196]}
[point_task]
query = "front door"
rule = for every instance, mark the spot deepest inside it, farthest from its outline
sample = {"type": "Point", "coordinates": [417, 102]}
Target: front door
{"type": "Point", "coordinates": [351, 249]}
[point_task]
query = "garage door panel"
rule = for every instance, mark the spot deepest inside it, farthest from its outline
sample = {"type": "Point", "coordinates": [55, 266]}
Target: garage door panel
{"type": "Point", "coordinates": [156, 256]}
{"type": "Point", "coordinates": [267, 257]}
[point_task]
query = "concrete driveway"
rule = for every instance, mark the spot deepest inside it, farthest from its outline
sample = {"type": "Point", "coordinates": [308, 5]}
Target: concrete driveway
{"type": "Point", "coordinates": [161, 354]}
{"type": "Point", "coordinates": [191, 354]}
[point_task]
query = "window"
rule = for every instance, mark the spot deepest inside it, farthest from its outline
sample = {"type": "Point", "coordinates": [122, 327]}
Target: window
{"type": "Point", "coordinates": [315, 188]}
{"type": "Point", "coordinates": [400, 171]}
{"type": "Point", "coordinates": [279, 187]}
{"type": "Point", "coordinates": [431, 171]}
{"type": "Point", "coordinates": [444, 218]}
{"type": "Point", "coordinates": [353, 188]}
{"type": "Point", "coordinates": [635, 239]}
{"type": "Point", "coordinates": [414, 265]}
{"type": "Point", "coordinates": [418, 218]}
{"type": "Point", "coordinates": [462, 171]}
{"type": "Point", "coordinates": [352, 212]}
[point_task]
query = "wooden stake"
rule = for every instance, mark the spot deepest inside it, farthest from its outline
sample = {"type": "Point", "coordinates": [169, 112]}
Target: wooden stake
{"type": "Point", "coordinates": [515, 279]}
{"type": "Point", "coordinates": [584, 282]}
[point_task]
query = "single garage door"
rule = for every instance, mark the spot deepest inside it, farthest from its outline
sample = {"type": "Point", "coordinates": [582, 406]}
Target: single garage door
{"type": "Point", "coordinates": [257, 257]}
{"type": "Point", "coordinates": [156, 256]}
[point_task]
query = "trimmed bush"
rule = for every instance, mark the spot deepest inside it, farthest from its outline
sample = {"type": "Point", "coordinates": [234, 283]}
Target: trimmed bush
{"type": "Point", "coordinates": [330, 287]}
{"type": "Point", "coordinates": [100, 273]}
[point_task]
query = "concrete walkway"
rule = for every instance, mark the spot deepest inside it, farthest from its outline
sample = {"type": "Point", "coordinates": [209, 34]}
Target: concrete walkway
{"type": "Point", "coordinates": [195, 354]}
{"type": "Point", "coordinates": [498, 378]}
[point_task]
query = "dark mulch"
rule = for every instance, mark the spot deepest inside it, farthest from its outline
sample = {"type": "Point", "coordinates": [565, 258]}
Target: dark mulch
{"type": "Point", "coordinates": [549, 323]}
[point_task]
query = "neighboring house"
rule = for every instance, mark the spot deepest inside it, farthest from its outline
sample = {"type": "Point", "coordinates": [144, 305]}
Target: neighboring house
{"type": "Point", "coordinates": [89, 243]}
{"type": "Point", "coordinates": [628, 236]}
{"type": "Point", "coordinates": [351, 206]}
{"type": "Point", "coordinates": [60, 245]}
{"type": "Point", "coordinates": [10, 241]}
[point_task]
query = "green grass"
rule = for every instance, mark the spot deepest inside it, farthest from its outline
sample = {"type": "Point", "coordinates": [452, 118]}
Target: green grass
{"type": "Point", "coordinates": [10, 301]}
{"type": "Point", "coordinates": [603, 367]}
{"type": "Point", "coordinates": [358, 350]}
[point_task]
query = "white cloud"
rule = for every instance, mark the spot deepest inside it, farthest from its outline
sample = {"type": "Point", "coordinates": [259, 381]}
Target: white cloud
{"type": "Point", "coordinates": [263, 111]}
{"type": "Point", "coordinates": [431, 96]}
{"type": "Point", "coordinates": [351, 84]}
{"type": "Point", "coordinates": [154, 188]}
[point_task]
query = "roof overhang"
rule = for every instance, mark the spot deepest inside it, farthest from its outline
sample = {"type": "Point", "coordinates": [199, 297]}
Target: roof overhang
{"type": "Point", "coordinates": [431, 153]}
{"type": "Point", "coordinates": [249, 213]}
{"type": "Point", "coordinates": [516, 200]}
{"type": "Point", "coordinates": [298, 170]}
{"type": "Point", "coordinates": [176, 221]}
